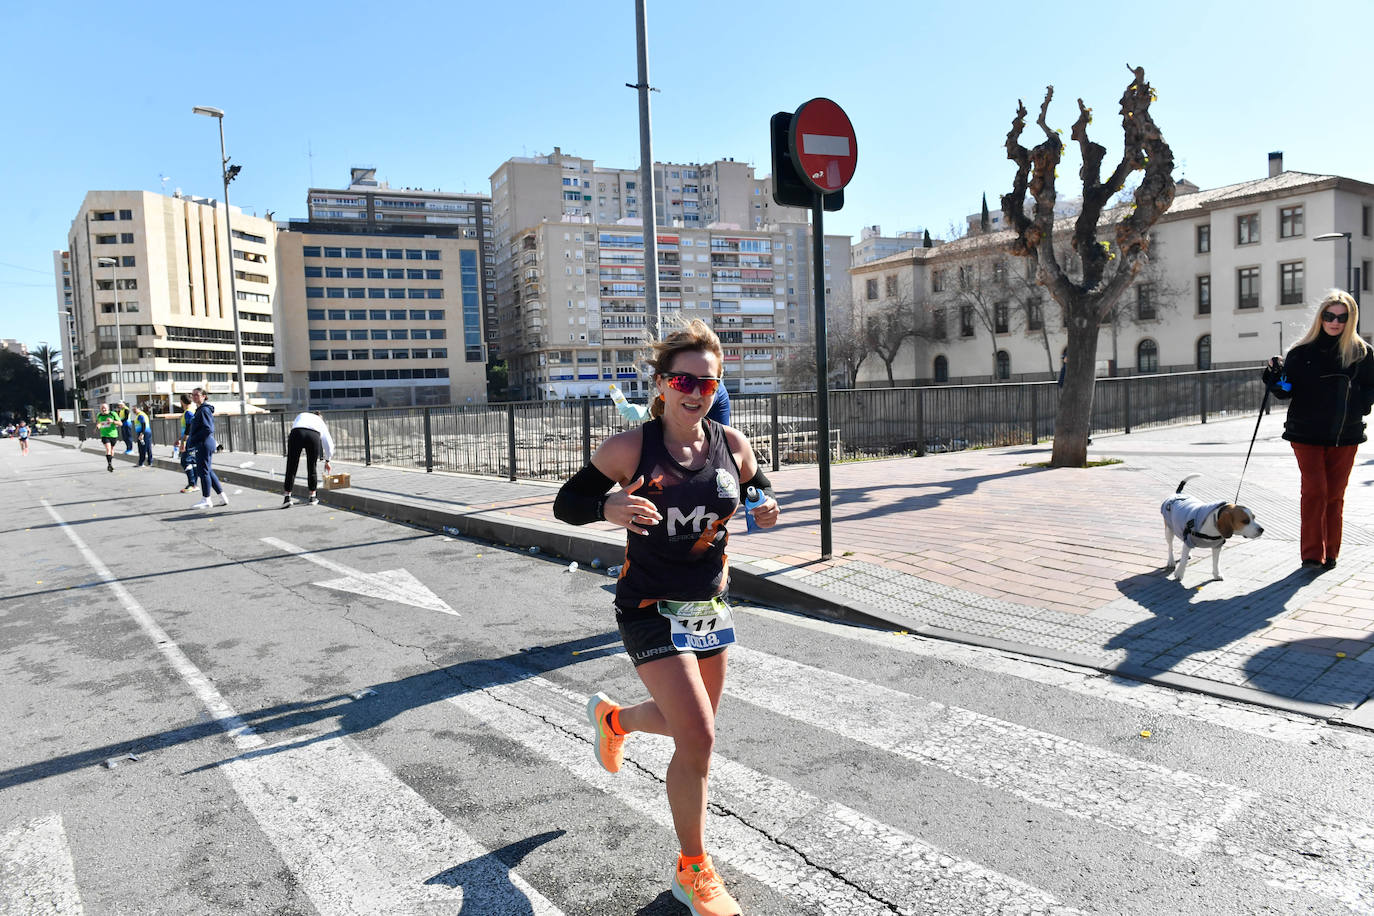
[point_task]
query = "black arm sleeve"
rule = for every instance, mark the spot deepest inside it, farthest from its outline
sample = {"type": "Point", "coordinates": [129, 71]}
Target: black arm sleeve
{"type": "Point", "coordinates": [582, 500]}
{"type": "Point", "coordinates": [760, 481]}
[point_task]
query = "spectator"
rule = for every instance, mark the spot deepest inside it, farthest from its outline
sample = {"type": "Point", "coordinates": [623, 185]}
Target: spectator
{"type": "Point", "coordinates": [186, 454]}
{"type": "Point", "coordinates": [310, 435]}
{"type": "Point", "coordinates": [143, 435]}
{"type": "Point", "coordinates": [126, 427]}
{"type": "Point", "coordinates": [200, 435]}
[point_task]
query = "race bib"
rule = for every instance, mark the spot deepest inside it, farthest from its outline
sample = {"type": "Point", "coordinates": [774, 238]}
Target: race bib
{"type": "Point", "coordinates": [699, 626]}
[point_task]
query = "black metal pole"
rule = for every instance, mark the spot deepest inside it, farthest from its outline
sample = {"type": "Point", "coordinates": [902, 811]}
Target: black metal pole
{"type": "Point", "coordinates": [822, 371]}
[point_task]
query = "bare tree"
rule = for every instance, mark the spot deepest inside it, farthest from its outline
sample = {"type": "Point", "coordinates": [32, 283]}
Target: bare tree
{"type": "Point", "coordinates": [884, 331]}
{"type": "Point", "coordinates": [1108, 267]}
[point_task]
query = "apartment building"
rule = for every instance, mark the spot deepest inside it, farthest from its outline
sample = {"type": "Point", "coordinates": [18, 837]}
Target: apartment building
{"type": "Point", "coordinates": [378, 320]}
{"type": "Point", "coordinates": [721, 196]}
{"type": "Point", "coordinates": [369, 206]}
{"type": "Point", "coordinates": [14, 346]}
{"type": "Point", "coordinates": [579, 322]}
{"type": "Point", "coordinates": [873, 245]}
{"type": "Point", "coordinates": [147, 279]}
{"type": "Point", "coordinates": [1234, 275]}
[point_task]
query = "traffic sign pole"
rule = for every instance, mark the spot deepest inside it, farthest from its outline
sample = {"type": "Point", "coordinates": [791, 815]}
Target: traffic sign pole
{"type": "Point", "coordinates": [822, 371]}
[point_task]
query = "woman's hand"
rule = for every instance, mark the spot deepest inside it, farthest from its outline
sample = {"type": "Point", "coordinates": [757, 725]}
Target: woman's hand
{"type": "Point", "coordinates": [766, 514]}
{"type": "Point", "coordinates": [625, 509]}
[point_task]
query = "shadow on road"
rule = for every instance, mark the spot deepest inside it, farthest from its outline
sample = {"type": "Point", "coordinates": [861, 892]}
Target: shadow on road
{"type": "Point", "coordinates": [483, 896]}
{"type": "Point", "coordinates": [1343, 682]}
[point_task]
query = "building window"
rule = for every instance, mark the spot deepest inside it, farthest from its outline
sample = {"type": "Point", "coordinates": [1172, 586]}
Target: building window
{"type": "Point", "coordinates": [941, 369]}
{"type": "Point", "coordinates": [965, 321]}
{"type": "Point", "coordinates": [126, 214]}
{"type": "Point", "coordinates": [937, 324]}
{"type": "Point", "coordinates": [1204, 351]}
{"type": "Point", "coordinates": [1366, 220]}
{"type": "Point", "coordinates": [1145, 302]}
{"type": "Point", "coordinates": [127, 260]}
{"type": "Point", "coordinates": [314, 314]}
{"type": "Point", "coordinates": [1248, 288]}
{"type": "Point", "coordinates": [871, 288]}
{"type": "Point", "coordinates": [126, 238]}
{"type": "Point", "coordinates": [310, 251]}
{"type": "Point", "coordinates": [1003, 365]}
{"type": "Point", "coordinates": [1248, 229]}
{"type": "Point", "coordinates": [1035, 315]}
{"type": "Point", "coordinates": [1147, 356]}
{"type": "Point", "coordinates": [1204, 294]}
{"type": "Point", "coordinates": [106, 239]}
{"type": "Point", "coordinates": [1365, 267]}
{"type": "Point", "coordinates": [937, 281]}
{"type": "Point", "coordinates": [1290, 283]}
{"type": "Point", "coordinates": [890, 284]}
{"type": "Point", "coordinates": [1001, 317]}
{"type": "Point", "coordinates": [1290, 222]}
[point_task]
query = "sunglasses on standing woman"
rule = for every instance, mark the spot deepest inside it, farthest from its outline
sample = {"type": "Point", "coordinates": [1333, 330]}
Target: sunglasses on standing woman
{"type": "Point", "coordinates": [1343, 317]}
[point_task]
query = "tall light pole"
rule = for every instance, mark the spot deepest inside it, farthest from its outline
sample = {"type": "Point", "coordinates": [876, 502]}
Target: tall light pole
{"type": "Point", "coordinates": [1349, 276]}
{"type": "Point", "coordinates": [119, 331]}
{"type": "Point", "coordinates": [52, 400]}
{"type": "Point", "coordinates": [229, 173]}
{"type": "Point", "coordinates": [1279, 325]}
{"type": "Point", "coordinates": [648, 209]}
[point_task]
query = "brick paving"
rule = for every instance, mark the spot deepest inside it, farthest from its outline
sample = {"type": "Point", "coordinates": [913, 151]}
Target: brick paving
{"type": "Point", "coordinates": [984, 546]}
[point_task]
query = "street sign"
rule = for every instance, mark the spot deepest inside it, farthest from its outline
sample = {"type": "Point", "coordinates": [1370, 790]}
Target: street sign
{"type": "Point", "coordinates": [788, 188]}
{"type": "Point", "coordinates": [824, 149]}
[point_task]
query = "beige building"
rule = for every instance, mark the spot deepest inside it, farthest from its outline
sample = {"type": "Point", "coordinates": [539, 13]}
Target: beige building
{"type": "Point", "coordinates": [369, 206]}
{"type": "Point", "coordinates": [164, 263]}
{"type": "Point", "coordinates": [380, 320]}
{"type": "Point", "coordinates": [1234, 276]}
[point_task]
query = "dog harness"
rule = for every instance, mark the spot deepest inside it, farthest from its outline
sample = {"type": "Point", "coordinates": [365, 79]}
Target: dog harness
{"type": "Point", "coordinates": [1185, 516]}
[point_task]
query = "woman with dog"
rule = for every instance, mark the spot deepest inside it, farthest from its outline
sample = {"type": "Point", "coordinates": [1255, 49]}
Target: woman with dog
{"type": "Point", "coordinates": [1328, 380]}
{"type": "Point", "coordinates": [681, 475]}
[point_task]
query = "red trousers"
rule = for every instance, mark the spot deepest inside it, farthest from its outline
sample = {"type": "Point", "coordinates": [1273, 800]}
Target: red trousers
{"type": "Point", "coordinates": [1325, 471]}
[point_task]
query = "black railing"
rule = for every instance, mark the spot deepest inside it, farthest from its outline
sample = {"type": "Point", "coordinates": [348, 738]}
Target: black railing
{"type": "Point", "coordinates": [551, 440]}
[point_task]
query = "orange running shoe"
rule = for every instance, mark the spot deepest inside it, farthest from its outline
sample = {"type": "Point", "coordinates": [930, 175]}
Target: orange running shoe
{"type": "Point", "coordinates": [608, 749]}
{"type": "Point", "coordinates": [700, 889]}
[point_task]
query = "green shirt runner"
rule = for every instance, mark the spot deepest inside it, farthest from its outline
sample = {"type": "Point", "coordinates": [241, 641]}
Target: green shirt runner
{"type": "Point", "coordinates": [108, 424]}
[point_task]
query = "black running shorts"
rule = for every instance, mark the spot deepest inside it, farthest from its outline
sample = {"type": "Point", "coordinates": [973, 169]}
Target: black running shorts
{"type": "Point", "coordinates": [646, 635]}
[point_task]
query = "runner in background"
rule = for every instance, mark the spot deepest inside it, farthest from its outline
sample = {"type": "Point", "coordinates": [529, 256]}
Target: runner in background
{"type": "Point", "coordinates": [107, 424]}
{"type": "Point", "coordinates": [23, 433]}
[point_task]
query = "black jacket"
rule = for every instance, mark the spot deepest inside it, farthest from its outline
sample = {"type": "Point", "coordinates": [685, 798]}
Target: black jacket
{"type": "Point", "coordinates": [1328, 402]}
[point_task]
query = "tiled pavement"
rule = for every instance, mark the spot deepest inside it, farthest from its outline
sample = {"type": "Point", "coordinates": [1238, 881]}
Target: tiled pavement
{"type": "Point", "coordinates": [984, 547]}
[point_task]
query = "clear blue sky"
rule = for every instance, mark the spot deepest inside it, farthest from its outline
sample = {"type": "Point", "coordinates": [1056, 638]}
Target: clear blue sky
{"type": "Point", "coordinates": [437, 95]}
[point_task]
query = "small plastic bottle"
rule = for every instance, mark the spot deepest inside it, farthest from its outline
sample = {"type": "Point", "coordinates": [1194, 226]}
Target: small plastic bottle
{"type": "Point", "coordinates": [627, 410]}
{"type": "Point", "coordinates": [752, 500]}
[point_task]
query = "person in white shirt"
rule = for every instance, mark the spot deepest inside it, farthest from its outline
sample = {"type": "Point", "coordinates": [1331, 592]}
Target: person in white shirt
{"type": "Point", "coordinates": [310, 435]}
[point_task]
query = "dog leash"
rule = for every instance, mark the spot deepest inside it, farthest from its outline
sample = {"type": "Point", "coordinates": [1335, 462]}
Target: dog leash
{"type": "Point", "coordinates": [1263, 401]}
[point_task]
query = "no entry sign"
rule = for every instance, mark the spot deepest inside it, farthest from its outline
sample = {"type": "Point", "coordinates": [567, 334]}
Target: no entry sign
{"type": "Point", "coordinates": [823, 145]}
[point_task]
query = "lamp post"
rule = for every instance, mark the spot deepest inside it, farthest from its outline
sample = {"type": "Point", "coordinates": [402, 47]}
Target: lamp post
{"type": "Point", "coordinates": [1349, 276]}
{"type": "Point", "coordinates": [1279, 325]}
{"type": "Point", "coordinates": [52, 399]}
{"type": "Point", "coordinates": [229, 173]}
{"type": "Point", "coordinates": [113, 263]}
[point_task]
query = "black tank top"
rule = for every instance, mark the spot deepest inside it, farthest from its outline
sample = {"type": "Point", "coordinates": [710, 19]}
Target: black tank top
{"type": "Point", "coordinates": [682, 558]}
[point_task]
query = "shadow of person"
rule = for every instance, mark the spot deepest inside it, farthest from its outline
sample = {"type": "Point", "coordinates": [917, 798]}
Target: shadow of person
{"type": "Point", "coordinates": [1180, 627]}
{"type": "Point", "coordinates": [486, 881]}
{"type": "Point", "coordinates": [1307, 669]}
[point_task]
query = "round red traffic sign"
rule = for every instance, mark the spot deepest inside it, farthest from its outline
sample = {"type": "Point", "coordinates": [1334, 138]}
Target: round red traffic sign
{"type": "Point", "coordinates": [823, 146]}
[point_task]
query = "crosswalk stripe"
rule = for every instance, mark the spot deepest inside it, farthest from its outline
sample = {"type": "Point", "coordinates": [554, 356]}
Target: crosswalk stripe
{"type": "Point", "coordinates": [810, 850]}
{"type": "Point", "coordinates": [36, 871]}
{"type": "Point", "coordinates": [358, 839]}
{"type": "Point", "coordinates": [1311, 850]}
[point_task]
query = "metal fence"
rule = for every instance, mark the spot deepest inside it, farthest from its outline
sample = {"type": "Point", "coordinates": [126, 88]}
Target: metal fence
{"type": "Point", "coordinates": [551, 440]}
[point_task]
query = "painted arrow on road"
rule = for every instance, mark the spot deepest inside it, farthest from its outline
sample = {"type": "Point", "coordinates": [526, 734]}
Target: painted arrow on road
{"type": "Point", "coordinates": [389, 585]}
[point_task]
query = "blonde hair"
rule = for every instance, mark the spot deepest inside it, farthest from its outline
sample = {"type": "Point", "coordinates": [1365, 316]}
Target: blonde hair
{"type": "Point", "coordinates": [1352, 347]}
{"type": "Point", "coordinates": [693, 336]}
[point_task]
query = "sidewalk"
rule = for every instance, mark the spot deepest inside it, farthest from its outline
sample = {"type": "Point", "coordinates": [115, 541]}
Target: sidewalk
{"type": "Point", "coordinates": [979, 547]}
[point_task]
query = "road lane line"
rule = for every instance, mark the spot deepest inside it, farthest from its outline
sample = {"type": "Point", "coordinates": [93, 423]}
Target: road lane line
{"type": "Point", "coordinates": [357, 838]}
{"type": "Point", "coordinates": [1293, 846]}
{"type": "Point", "coordinates": [37, 875]}
{"type": "Point", "coordinates": [821, 855]}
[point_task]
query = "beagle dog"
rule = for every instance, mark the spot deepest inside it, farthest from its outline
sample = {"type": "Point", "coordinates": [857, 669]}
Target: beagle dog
{"type": "Point", "coordinates": [1200, 524]}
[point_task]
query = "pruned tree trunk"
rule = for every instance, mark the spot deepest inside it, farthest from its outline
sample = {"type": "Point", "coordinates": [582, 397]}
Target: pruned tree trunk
{"type": "Point", "coordinates": [1108, 267]}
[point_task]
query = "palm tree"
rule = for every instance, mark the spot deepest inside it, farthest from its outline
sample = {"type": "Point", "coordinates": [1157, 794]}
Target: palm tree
{"type": "Point", "coordinates": [44, 356]}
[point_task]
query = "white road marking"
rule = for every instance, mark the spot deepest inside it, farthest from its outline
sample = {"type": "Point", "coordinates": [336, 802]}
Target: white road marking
{"type": "Point", "coordinates": [1296, 846]}
{"type": "Point", "coordinates": [1267, 723]}
{"type": "Point", "coordinates": [821, 855]}
{"type": "Point", "coordinates": [36, 871]}
{"type": "Point", "coordinates": [358, 839]}
{"type": "Point", "coordinates": [389, 585]}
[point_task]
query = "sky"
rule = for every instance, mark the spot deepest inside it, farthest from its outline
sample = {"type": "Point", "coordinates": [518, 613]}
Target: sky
{"type": "Point", "coordinates": [437, 95]}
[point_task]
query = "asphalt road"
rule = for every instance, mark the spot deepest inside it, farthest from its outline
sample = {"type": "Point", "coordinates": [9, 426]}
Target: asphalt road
{"type": "Point", "coordinates": [250, 710]}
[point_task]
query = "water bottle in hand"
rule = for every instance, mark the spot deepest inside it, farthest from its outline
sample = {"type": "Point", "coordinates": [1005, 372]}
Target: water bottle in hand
{"type": "Point", "coordinates": [752, 500]}
{"type": "Point", "coordinates": [632, 412]}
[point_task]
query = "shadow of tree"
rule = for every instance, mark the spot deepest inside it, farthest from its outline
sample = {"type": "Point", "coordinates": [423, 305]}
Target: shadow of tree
{"type": "Point", "coordinates": [1307, 670]}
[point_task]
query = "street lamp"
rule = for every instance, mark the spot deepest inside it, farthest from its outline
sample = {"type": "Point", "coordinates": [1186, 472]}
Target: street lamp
{"type": "Point", "coordinates": [52, 399]}
{"type": "Point", "coordinates": [119, 332]}
{"type": "Point", "coordinates": [1279, 325]}
{"type": "Point", "coordinates": [229, 173]}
